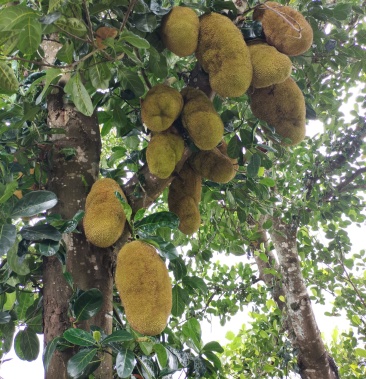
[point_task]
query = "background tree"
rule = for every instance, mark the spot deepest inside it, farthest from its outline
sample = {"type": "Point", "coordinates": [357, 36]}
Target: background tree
{"type": "Point", "coordinates": [63, 93]}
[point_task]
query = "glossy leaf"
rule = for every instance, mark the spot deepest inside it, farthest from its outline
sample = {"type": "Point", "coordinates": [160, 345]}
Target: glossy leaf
{"type": "Point", "coordinates": [118, 336]}
{"type": "Point", "coordinates": [79, 337]}
{"type": "Point", "coordinates": [26, 345]}
{"type": "Point", "coordinates": [79, 362]}
{"type": "Point", "coordinates": [41, 232]}
{"type": "Point", "coordinates": [125, 362]}
{"type": "Point", "coordinates": [33, 203]}
{"type": "Point", "coordinates": [88, 304]}
{"type": "Point", "coordinates": [48, 352]}
{"type": "Point", "coordinates": [8, 235]}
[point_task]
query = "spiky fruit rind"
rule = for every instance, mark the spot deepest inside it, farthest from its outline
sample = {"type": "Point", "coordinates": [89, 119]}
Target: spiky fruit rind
{"type": "Point", "coordinates": [224, 55]}
{"type": "Point", "coordinates": [213, 165]}
{"type": "Point", "coordinates": [201, 120]}
{"type": "Point", "coordinates": [284, 27]}
{"type": "Point", "coordinates": [188, 213]}
{"type": "Point", "coordinates": [283, 107]}
{"type": "Point", "coordinates": [104, 218]}
{"type": "Point", "coordinates": [163, 152]}
{"type": "Point", "coordinates": [144, 286]}
{"type": "Point", "coordinates": [179, 31]}
{"type": "Point", "coordinates": [269, 65]}
{"type": "Point", "coordinates": [161, 107]}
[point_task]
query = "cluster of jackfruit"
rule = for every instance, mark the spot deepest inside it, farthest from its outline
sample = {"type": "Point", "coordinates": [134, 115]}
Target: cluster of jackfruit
{"type": "Point", "coordinates": [104, 218]}
{"type": "Point", "coordinates": [184, 197]}
{"type": "Point", "coordinates": [144, 286]}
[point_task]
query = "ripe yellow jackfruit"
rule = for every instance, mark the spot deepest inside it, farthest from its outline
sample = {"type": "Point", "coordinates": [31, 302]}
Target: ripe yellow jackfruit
{"type": "Point", "coordinates": [283, 107]}
{"type": "Point", "coordinates": [224, 55]}
{"type": "Point", "coordinates": [285, 28]}
{"type": "Point", "coordinates": [269, 65]}
{"type": "Point", "coordinates": [183, 199]}
{"type": "Point", "coordinates": [104, 218]}
{"type": "Point", "coordinates": [161, 107]}
{"type": "Point", "coordinates": [144, 287]}
{"type": "Point", "coordinates": [201, 120]}
{"type": "Point", "coordinates": [163, 152]}
{"type": "Point", "coordinates": [179, 31]}
{"type": "Point", "coordinates": [213, 165]}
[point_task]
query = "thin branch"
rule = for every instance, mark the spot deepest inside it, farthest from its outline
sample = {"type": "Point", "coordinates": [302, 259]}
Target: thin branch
{"type": "Point", "coordinates": [90, 27]}
{"type": "Point", "coordinates": [127, 15]}
{"type": "Point", "coordinates": [350, 179]}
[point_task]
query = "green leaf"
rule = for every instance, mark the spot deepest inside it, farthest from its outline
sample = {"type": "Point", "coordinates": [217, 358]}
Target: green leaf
{"type": "Point", "coordinates": [8, 234]}
{"type": "Point", "coordinates": [9, 191]}
{"type": "Point", "coordinates": [118, 336]}
{"type": "Point", "coordinates": [253, 165]}
{"type": "Point", "coordinates": [360, 352]}
{"type": "Point", "coordinates": [88, 304]}
{"type": "Point", "coordinates": [212, 346]}
{"type": "Point", "coordinates": [65, 54]}
{"type": "Point", "coordinates": [8, 82]}
{"type": "Point", "coordinates": [30, 36]}
{"type": "Point", "coordinates": [51, 75]}
{"type": "Point", "coordinates": [14, 17]}
{"type": "Point", "coordinates": [79, 362]}
{"type": "Point", "coordinates": [41, 232]}
{"type": "Point", "coordinates": [7, 335]}
{"type": "Point", "coordinates": [180, 299]}
{"type": "Point", "coordinates": [192, 330]}
{"type": "Point", "coordinates": [33, 203]}
{"type": "Point", "coordinates": [71, 25]}
{"type": "Point", "coordinates": [80, 97]}
{"type": "Point", "coordinates": [5, 317]}
{"type": "Point", "coordinates": [234, 147]}
{"type": "Point", "coordinates": [48, 352]}
{"type": "Point", "coordinates": [145, 22]}
{"type": "Point", "coordinates": [134, 40]}
{"type": "Point", "coordinates": [158, 64]}
{"type": "Point", "coordinates": [19, 265]}
{"type": "Point", "coordinates": [269, 182]}
{"type": "Point", "coordinates": [79, 337]}
{"type": "Point", "coordinates": [48, 248]}
{"type": "Point", "coordinates": [131, 80]}
{"type": "Point", "coordinates": [162, 354]}
{"type": "Point", "coordinates": [195, 283]}
{"type": "Point", "coordinates": [26, 345]}
{"type": "Point", "coordinates": [125, 362]}
{"type": "Point", "coordinates": [179, 268]}
{"type": "Point", "coordinates": [99, 74]}
{"type": "Point", "coordinates": [156, 220]}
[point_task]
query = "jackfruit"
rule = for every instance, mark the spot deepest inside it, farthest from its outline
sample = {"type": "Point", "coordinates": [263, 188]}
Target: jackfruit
{"type": "Point", "coordinates": [102, 33]}
{"type": "Point", "coordinates": [269, 65]}
{"type": "Point", "coordinates": [104, 218]}
{"type": "Point", "coordinates": [144, 287]}
{"type": "Point", "coordinates": [161, 107]}
{"type": "Point", "coordinates": [213, 165]}
{"type": "Point", "coordinates": [284, 27]}
{"type": "Point", "coordinates": [201, 120]}
{"type": "Point", "coordinates": [163, 152]}
{"type": "Point", "coordinates": [179, 31]}
{"type": "Point", "coordinates": [224, 55]}
{"type": "Point", "coordinates": [283, 107]}
{"type": "Point", "coordinates": [183, 199]}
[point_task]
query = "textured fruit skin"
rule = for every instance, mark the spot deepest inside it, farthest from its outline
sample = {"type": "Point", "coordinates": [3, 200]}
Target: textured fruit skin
{"type": "Point", "coordinates": [161, 107]}
{"type": "Point", "coordinates": [163, 152]}
{"type": "Point", "coordinates": [102, 33]}
{"type": "Point", "coordinates": [269, 65]}
{"type": "Point", "coordinates": [201, 120]}
{"type": "Point", "coordinates": [213, 165]}
{"type": "Point", "coordinates": [224, 55]}
{"type": "Point", "coordinates": [183, 199]}
{"type": "Point", "coordinates": [104, 218]}
{"type": "Point", "coordinates": [179, 31]}
{"type": "Point", "coordinates": [284, 27]}
{"type": "Point", "coordinates": [144, 287]}
{"type": "Point", "coordinates": [283, 107]}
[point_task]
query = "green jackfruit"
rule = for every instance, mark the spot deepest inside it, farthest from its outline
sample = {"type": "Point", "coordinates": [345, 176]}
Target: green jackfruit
{"type": "Point", "coordinates": [144, 286]}
{"type": "Point", "coordinates": [213, 165]}
{"type": "Point", "coordinates": [224, 55]}
{"type": "Point", "coordinates": [201, 120]}
{"type": "Point", "coordinates": [179, 31]}
{"type": "Point", "coordinates": [269, 65]}
{"type": "Point", "coordinates": [161, 107]}
{"type": "Point", "coordinates": [104, 218]}
{"type": "Point", "coordinates": [163, 152]}
{"type": "Point", "coordinates": [183, 199]}
{"type": "Point", "coordinates": [284, 27]}
{"type": "Point", "coordinates": [283, 107]}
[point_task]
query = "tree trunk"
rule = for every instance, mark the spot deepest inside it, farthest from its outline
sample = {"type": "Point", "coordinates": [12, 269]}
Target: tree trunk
{"type": "Point", "coordinates": [313, 360]}
{"type": "Point", "coordinates": [90, 267]}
